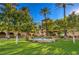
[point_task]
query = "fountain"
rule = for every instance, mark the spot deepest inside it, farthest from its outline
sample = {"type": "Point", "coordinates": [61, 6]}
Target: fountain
{"type": "Point", "coordinates": [42, 37]}
{"type": "Point", "coordinates": [43, 40]}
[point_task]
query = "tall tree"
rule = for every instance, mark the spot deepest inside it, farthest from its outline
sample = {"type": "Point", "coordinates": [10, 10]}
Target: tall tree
{"type": "Point", "coordinates": [64, 5]}
{"type": "Point", "coordinates": [72, 24]}
{"type": "Point", "coordinates": [7, 11]}
{"type": "Point", "coordinates": [22, 22]}
{"type": "Point", "coordinates": [45, 11]}
{"type": "Point", "coordinates": [27, 25]}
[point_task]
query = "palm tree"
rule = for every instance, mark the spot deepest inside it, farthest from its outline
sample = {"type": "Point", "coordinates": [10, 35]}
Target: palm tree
{"type": "Point", "coordinates": [64, 5]}
{"type": "Point", "coordinates": [45, 12]}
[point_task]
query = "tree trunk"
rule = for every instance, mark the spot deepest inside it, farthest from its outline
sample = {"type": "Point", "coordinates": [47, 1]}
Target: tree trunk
{"type": "Point", "coordinates": [73, 37]}
{"type": "Point", "coordinates": [17, 37]}
{"type": "Point", "coordinates": [7, 35]}
{"type": "Point", "coordinates": [65, 33]}
{"type": "Point", "coordinates": [26, 37]}
{"type": "Point", "coordinates": [65, 30]}
{"type": "Point", "coordinates": [45, 15]}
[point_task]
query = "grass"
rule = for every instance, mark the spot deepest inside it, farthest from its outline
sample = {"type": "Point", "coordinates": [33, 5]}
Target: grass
{"type": "Point", "coordinates": [60, 47]}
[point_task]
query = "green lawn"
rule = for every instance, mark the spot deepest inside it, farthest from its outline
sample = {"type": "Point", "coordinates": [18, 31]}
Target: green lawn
{"type": "Point", "coordinates": [9, 47]}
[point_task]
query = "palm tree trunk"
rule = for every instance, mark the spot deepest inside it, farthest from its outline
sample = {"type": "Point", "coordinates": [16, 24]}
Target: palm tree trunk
{"type": "Point", "coordinates": [65, 33]}
{"type": "Point", "coordinates": [65, 29]}
{"type": "Point", "coordinates": [46, 25]}
{"type": "Point", "coordinates": [46, 29]}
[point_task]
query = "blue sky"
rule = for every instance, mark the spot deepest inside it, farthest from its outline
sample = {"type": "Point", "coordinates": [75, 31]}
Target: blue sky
{"type": "Point", "coordinates": [56, 12]}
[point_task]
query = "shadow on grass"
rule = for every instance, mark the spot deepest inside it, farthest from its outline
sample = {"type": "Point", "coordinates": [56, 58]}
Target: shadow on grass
{"type": "Point", "coordinates": [29, 48]}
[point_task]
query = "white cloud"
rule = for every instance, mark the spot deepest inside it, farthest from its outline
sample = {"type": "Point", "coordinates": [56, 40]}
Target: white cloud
{"type": "Point", "coordinates": [76, 11]}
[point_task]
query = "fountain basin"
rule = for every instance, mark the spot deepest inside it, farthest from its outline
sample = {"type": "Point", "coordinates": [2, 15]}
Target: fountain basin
{"type": "Point", "coordinates": [43, 40]}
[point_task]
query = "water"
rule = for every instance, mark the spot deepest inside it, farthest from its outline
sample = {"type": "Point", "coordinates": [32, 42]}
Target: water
{"type": "Point", "coordinates": [43, 39]}
{"type": "Point", "coordinates": [40, 39]}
